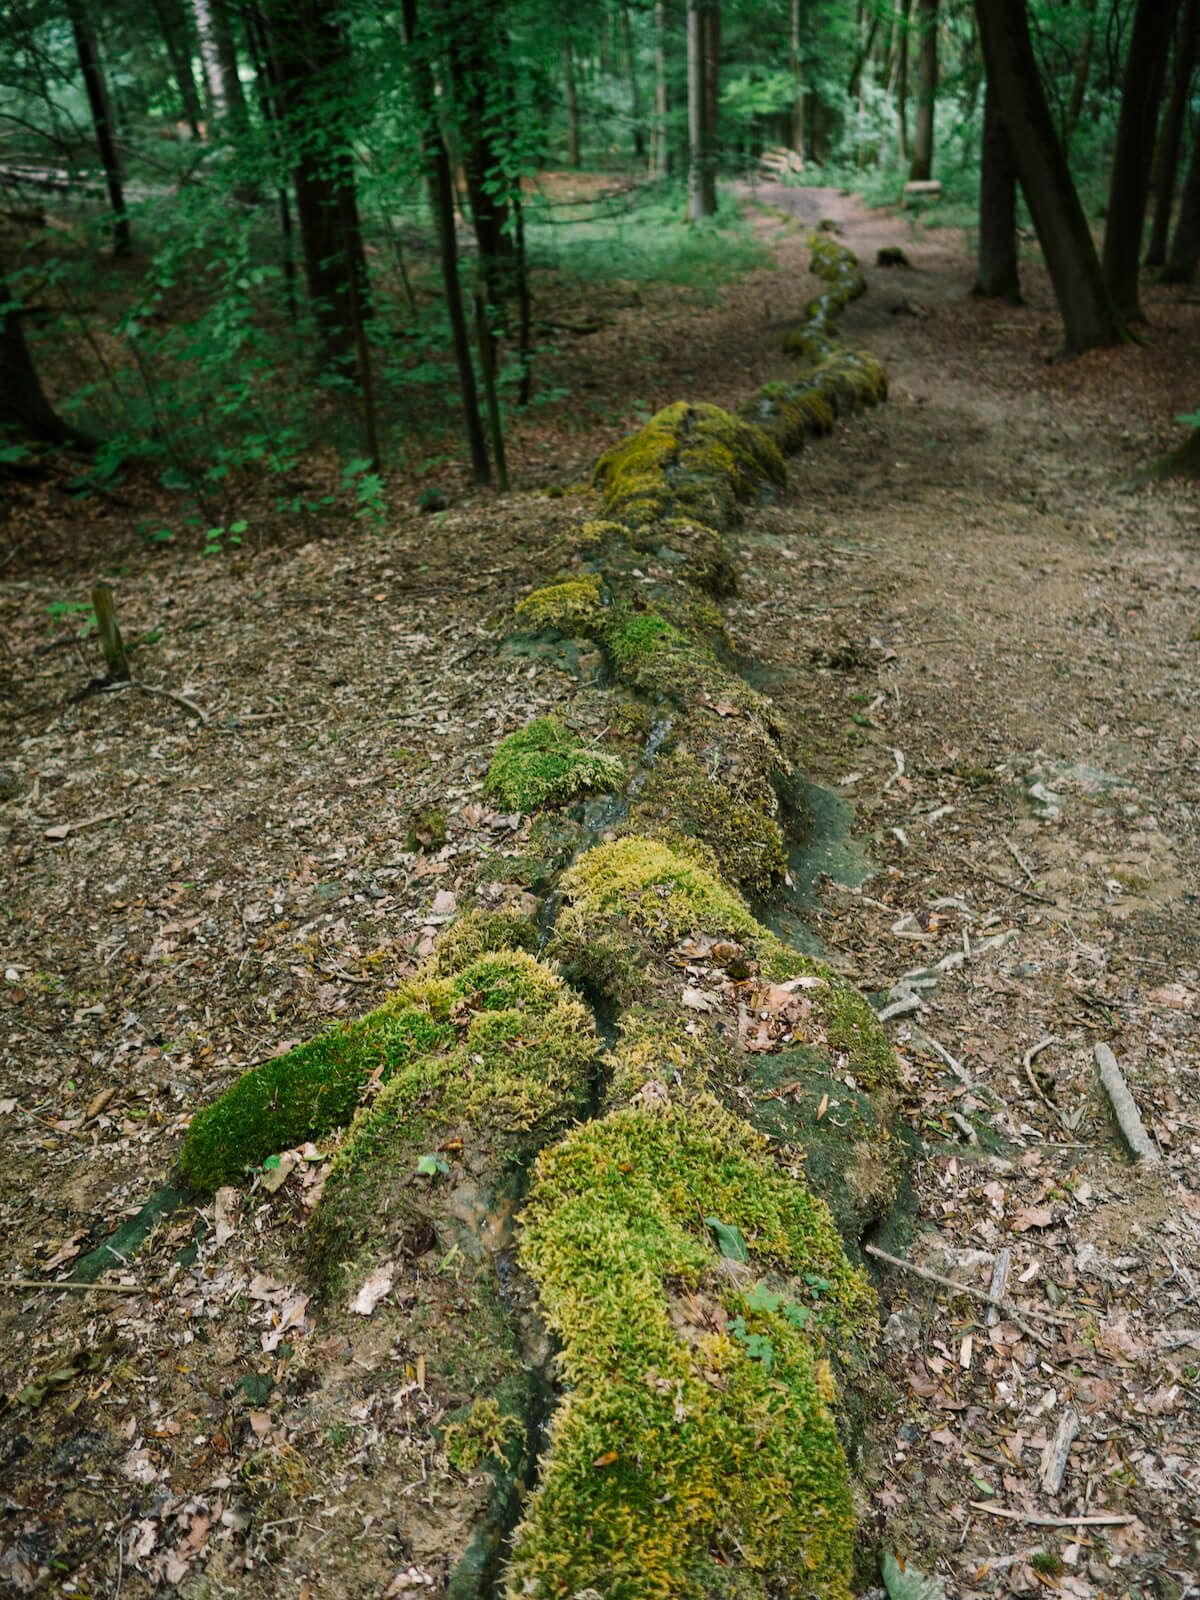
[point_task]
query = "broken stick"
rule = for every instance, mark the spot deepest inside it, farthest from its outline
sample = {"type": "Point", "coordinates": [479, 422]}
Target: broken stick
{"type": "Point", "coordinates": [1054, 1458]}
{"type": "Point", "coordinates": [1016, 1312]}
{"type": "Point", "coordinates": [1133, 1129]}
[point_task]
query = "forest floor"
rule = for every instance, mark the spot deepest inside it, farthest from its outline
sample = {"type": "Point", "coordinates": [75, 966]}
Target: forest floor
{"type": "Point", "coordinates": [990, 649]}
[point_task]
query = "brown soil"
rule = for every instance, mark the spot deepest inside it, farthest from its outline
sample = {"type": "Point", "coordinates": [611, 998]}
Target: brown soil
{"type": "Point", "coordinates": [955, 601]}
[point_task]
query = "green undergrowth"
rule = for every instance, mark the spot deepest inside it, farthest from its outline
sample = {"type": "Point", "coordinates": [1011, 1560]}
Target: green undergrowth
{"type": "Point", "coordinates": [545, 764]}
{"type": "Point", "coordinates": [697, 1434]}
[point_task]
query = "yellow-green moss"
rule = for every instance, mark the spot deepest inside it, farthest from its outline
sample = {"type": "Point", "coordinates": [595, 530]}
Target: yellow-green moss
{"type": "Point", "coordinates": [545, 764]}
{"type": "Point", "coordinates": [682, 799]}
{"type": "Point", "coordinates": [654, 1049]}
{"type": "Point", "coordinates": [655, 887]}
{"type": "Point", "coordinates": [697, 1434]}
{"type": "Point", "coordinates": [690, 460]}
{"type": "Point", "coordinates": [571, 605]}
{"type": "Point", "coordinates": [484, 1433]}
{"type": "Point", "coordinates": [477, 932]}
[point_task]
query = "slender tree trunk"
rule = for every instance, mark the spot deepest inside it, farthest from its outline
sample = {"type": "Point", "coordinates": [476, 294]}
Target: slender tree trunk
{"type": "Point", "coordinates": [309, 54]}
{"type": "Point", "coordinates": [927, 75]}
{"type": "Point", "coordinates": [868, 32]}
{"type": "Point", "coordinates": [1090, 318]}
{"type": "Point", "coordinates": [635, 88]}
{"type": "Point", "coordinates": [476, 78]}
{"type": "Point", "coordinates": [218, 56]}
{"type": "Point", "coordinates": [902, 86]}
{"type": "Point", "coordinates": [1083, 71]}
{"type": "Point", "coordinates": [1184, 256]}
{"type": "Point", "coordinates": [1145, 68]}
{"type": "Point", "coordinates": [797, 141]}
{"type": "Point", "coordinates": [441, 188]}
{"type": "Point", "coordinates": [571, 93]}
{"type": "Point", "coordinates": [23, 403]}
{"type": "Point", "coordinates": [703, 22]}
{"type": "Point", "coordinates": [272, 115]}
{"type": "Point", "coordinates": [658, 159]}
{"type": "Point", "coordinates": [173, 27]}
{"type": "Point", "coordinates": [93, 79]}
{"type": "Point", "coordinates": [1171, 140]}
{"type": "Point", "coordinates": [998, 276]}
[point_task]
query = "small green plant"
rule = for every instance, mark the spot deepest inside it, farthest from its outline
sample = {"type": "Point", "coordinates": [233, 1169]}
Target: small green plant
{"type": "Point", "coordinates": [432, 1165]}
{"type": "Point", "coordinates": [223, 538]}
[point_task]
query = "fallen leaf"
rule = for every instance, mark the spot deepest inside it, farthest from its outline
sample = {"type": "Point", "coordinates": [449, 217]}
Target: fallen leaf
{"type": "Point", "coordinates": [1031, 1217]}
{"type": "Point", "coordinates": [377, 1286]}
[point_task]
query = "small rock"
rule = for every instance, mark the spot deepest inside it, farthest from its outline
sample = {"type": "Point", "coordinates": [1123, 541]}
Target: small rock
{"type": "Point", "coordinates": [902, 1329]}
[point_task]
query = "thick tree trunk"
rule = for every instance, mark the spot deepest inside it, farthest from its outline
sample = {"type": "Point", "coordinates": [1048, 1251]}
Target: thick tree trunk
{"type": "Point", "coordinates": [998, 277]}
{"type": "Point", "coordinates": [797, 139]}
{"type": "Point", "coordinates": [309, 54]}
{"type": "Point", "coordinates": [658, 147]}
{"type": "Point", "coordinates": [1171, 140]}
{"type": "Point", "coordinates": [97, 93]}
{"type": "Point", "coordinates": [441, 189]}
{"type": "Point", "coordinates": [1184, 256]}
{"type": "Point", "coordinates": [23, 403]}
{"type": "Point", "coordinates": [703, 25]}
{"type": "Point", "coordinates": [1083, 71]}
{"type": "Point", "coordinates": [1089, 316]}
{"type": "Point", "coordinates": [927, 75]}
{"type": "Point", "coordinates": [1145, 68]}
{"type": "Point", "coordinates": [173, 27]}
{"type": "Point", "coordinates": [571, 95]}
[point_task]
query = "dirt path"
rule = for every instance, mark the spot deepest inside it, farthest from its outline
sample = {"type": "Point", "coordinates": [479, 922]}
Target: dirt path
{"type": "Point", "coordinates": [955, 604]}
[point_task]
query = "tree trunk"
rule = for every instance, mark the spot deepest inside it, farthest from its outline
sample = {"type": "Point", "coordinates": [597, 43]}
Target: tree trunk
{"type": "Point", "coordinates": [93, 78]}
{"type": "Point", "coordinates": [797, 139]}
{"type": "Point", "coordinates": [1171, 141]}
{"type": "Point", "coordinates": [441, 189]}
{"type": "Point", "coordinates": [23, 403]}
{"type": "Point", "coordinates": [476, 77]}
{"type": "Point", "coordinates": [1184, 256]}
{"type": "Point", "coordinates": [998, 276]}
{"type": "Point", "coordinates": [635, 88]}
{"type": "Point", "coordinates": [574, 149]}
{"type": "Point", "coordinates": [1083, 71]}
{"type": "Point", "coordinates": [218, 55]}
{"type": "Point", "coordinates": [703, 23]}
{"type": "Point", "coordinates": [272, 115]}
{"type": "Point", "coordinates": [1145, 68]}
{"type": "Point", "coordinates": [173, 27]}
{"type": "Point", "coordinates": [309, 56]}
{"type": "Point", "coordinates": [902, 86]}
{"type": "Point", "coordinates": [1089, 316]}
{"type": "Point", "coordinates": [927, 74]}
{"type": "Point", "coordinates": [658, 157]}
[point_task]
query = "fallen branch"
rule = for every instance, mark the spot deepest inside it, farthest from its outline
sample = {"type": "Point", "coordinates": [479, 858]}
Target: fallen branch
{"type": "Point", "coordinates": [962, 1288]}
{"type": "Point", "coordinates": [1032, 1521]}
{"type": "Point", "coordinates": [1054, 1460]}
{"type": "Point", "coordinates": [1129, 1120]}
{"type": "Point", "coordinates": [14, 1284]}
{"type": "Point", "coordinates": [169, 694]}
{"type": "Point", "coordinates": [998, 1285]}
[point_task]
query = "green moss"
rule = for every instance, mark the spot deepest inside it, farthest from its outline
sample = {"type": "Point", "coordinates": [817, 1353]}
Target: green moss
{"type": "Point", "coordinates": [484, 1433]}
{"type": "Point", "coordinates": [655, 887]}
{"type": "Point", "coordinates": [545, 764]}
{"type": "Point", "coordinates": [691, 460]}
{"type": "Point", "coordinates": [697, 1432]}
{"type": "Point", "coordinates": [655, 1049]}
{"type": "Point", "coordinates": [650, 653]}
{"type": "Point", "coordinates": [479, 931]}
{"type": "Point", "coordinates": [571, 606]}
{"type": "Point", "coordinates": [682, 799]}
{"type": "Point", "coordinates": [426, 830]}
{"type": "Point", "coordinates": [790, 413]}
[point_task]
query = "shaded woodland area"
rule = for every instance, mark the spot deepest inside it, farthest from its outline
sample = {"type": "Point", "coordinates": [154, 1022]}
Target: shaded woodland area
{"type": "Point", "coordinates": [598, 837]}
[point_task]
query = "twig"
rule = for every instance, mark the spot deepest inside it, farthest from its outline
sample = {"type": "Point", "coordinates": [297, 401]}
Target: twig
{"type": "Point", "coordinates": [1020, 860]}
{"type": "Point", "coordinates": [961, 1288]}
{"type": "Point", "coordinates": [79, 1288]}
{"type": "Point", "coordinates": [1128, 1118]}
{"type": "Point", "coordinates": [1027, 1062]}
{"type": "Point", "coordinates": [344, 977]}
{"type": "Point", "coordinates": [1002, 883]}
{"type": "Point", "coordinates": [1054, 1461]}
{"type": "Point", "coordinates": [1033, 1521]}
{"type": "Point", "coordinates": [998, 1284]}
{"type": "Point", "coordinates": [169, 694]}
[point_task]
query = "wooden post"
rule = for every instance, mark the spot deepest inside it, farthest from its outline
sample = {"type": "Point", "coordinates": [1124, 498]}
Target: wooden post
{"type": "Point", "coordinates": [111, 641]}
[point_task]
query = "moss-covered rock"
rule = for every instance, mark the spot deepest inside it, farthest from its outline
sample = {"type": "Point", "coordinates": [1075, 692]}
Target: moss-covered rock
{"type": "Point", "coordinates": [697, 1434]}
{"type": "Point", "coordinates": [545, 764]}
{"type": "Point", "coordinates": [691, 461]}
{"type": "Point", "coordinates": [572, 605]}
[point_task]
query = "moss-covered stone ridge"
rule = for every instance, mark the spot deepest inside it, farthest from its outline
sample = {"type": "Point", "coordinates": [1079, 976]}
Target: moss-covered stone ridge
{"type": "Point", "coordinates": [546, 764]}
{"type": "Point", "coordinates": [694, 1289]}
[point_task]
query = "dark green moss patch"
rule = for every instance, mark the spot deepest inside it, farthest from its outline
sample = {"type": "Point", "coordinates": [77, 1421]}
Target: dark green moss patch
{"type": "Point", "coordinates": [545, 764]}
{"type": "Point", "coordinates": [682, 799]}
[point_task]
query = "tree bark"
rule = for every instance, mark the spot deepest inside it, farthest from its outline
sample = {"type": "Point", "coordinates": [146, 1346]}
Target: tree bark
{"type": "Point", "coordinates": [1145, 68]}
{"type": "Point", "coordinates": [1083, 71]}
{"type": "Point", "coordinates": [571, 93]}
{"type": "Point", "coordinates": [998, 276]}
{"type": "Point", "coordinates": [927, 74]}
{"type": "Point", "coordinates": [475, 75]}
{"type": "Point", "coordinates": [902, 86]}
{"type": "Point", "coordinates": [1184, 256]}
{"type": "Point", "coordinates": [703, 23]}
{"type": "Point", "coordinates": [658, 145]}
{"type": "Point", "coordinates": [1090, 318]}
{"type": "Point", "coordinates": [173, 27]}
{"type": "Point", "coordinates": [635, 87]}
{"type": "Point", "coordinates": [1171, 141]}
{"type": "Point", "coordinates": [441, 189]}
{"type": "Point", "coordinates": [23, 403]}
{"type": "Point", "coordinates": [218, 55]}
{"type": "Point", "coordinates": [797, 142]}
{"type": "Point", "coordinates": [97, 93]}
